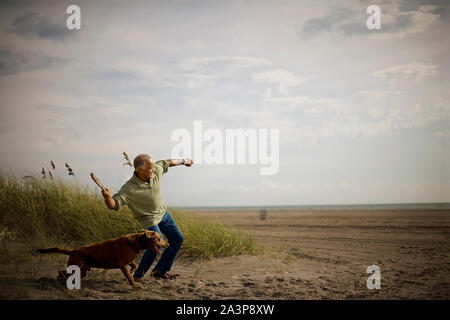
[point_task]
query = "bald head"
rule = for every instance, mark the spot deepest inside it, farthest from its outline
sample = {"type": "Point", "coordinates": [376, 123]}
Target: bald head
{"type": "Point", "coordinates": [141, 161]}
{"type": "Point", "coordinates": [144, 166]}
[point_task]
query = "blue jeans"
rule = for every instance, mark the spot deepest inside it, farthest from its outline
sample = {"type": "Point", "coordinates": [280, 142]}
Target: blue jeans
{"type": "Point", "coordinates": [175, 239]}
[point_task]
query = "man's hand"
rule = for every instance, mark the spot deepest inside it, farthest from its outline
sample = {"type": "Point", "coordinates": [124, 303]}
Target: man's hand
{"type": "Point", "coordinates": [109, 201]}
{"type": "Point", "coordinates": [188, 162]}
{"type": "Point", "coordinates": [106, 193]}
{"type": "Point", "coordinates": [178, 162]}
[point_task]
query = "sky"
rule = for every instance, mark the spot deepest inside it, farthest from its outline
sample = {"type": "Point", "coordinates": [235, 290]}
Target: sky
{"type": "Point", "coordinates": [363, 115]}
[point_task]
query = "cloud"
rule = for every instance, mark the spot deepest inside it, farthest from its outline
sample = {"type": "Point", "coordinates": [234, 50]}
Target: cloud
{"type": "Point", "coordinates": [414, 70]}
{"type": "Point", "coordinates": [415, 191]}
{"type": "Point", "coordinates": [400, 24]}
{"type": "Point", "coordinates": [200, 72]}
{"type": "Point", "coordinates": [13, 61]}
{"type": "Point", "coordinates": [284, 79]}
{"type": "Point", "coordinates": [417, 70]}
{"type": "Point", "coordinates": [15, 3]}
{"type": "Point", "coordinates": [417, 116]}
{"type": "Point", "coordinates": [32, 25]}
{"type": "Point", "coordinates": [5, 129]}
{"type": "Point", "coordinates": [133, 67]}
{"type": "Point", "coordinates": [340, 20]}
{"type": "Point", "coordinates": [442, 134]}
{"type": "Point", "coordinates": [376, 112]}
{"type": "Point", "coordinates": [312, 107]}
{"type": "Point", "coordinates": [268, 185]}
{"type": "Point", "coordinates": [440, 8]}
{"type": "Point", "coordinates": [221, 64]}
{"type": "Point", "coordinates": [372, 94]}
{"type": "Point", "coordinates": [350, 20]}
{"type": "Point", "coordinates": [129, 73]}
{"type": "Point", "coordinates": [318, 118]}
{"type": "Point", "coordinates": [65, 124]}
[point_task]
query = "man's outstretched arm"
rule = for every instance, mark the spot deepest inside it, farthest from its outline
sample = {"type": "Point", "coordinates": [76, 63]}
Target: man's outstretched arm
{"type": "Point", "coordinates": [177, 162]}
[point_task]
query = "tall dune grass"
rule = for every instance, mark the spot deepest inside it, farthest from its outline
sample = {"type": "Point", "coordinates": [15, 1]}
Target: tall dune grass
{"type": "Point", "coordinates": [206, 239]}
{"type": "Point", "coordinates": [53, 212]}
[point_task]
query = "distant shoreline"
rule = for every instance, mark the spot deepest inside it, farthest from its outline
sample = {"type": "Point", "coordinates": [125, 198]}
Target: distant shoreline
{"type": "Point", "coordinates": [331, 207]}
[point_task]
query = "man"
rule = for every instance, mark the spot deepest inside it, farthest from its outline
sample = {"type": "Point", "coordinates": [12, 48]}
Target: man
{"type": "Point", "coordinates": [142, 194]}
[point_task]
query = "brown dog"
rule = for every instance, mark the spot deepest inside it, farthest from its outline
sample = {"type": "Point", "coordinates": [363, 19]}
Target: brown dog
{"type": "Point", "coordinates": [111, 254]}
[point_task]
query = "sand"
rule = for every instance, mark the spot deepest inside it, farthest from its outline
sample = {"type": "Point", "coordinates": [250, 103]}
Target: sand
{"type": "Point", "coordinates": [309, 255]}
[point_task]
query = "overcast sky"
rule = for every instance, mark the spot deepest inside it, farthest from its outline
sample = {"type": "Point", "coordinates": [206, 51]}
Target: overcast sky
{"type": "Point", "coordinates": [363, 114]}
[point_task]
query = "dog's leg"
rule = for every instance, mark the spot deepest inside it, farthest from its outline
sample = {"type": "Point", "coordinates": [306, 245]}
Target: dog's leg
{"type": "Point", "coordinates": [62, 275]}
{"type": "Point", "coordinates": [133, 266]}
{"type": "Point", "coordinates": [128, 275]}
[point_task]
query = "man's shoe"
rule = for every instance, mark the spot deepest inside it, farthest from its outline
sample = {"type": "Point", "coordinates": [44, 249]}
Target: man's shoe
{"type": "Point", "coordinates": [141, 280]}
{"type": "Point", "coordinates": [159, 275]}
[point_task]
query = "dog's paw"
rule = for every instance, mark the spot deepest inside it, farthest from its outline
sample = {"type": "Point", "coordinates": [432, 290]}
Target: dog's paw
{"type": "Point", "coordinates": [138, 286]}
{"type": "Point", "coordinates": [62, 275]}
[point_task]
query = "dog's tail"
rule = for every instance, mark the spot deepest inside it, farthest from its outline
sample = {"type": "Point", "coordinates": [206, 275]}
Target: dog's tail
{"type": "Point", "coordinates": [55, 250]}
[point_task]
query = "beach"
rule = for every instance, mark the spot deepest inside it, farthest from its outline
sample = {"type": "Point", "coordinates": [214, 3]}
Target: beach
{"type": "Point", "coordinates": [307, 255]}
{"type": "Point", "coordinates": [336, 247]}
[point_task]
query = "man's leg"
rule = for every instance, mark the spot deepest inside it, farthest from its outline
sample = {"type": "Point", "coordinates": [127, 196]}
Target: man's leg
{"type": "Point", "coordinates": [175, 239]}
{"type": "Point", "coordinates": [147, 258]}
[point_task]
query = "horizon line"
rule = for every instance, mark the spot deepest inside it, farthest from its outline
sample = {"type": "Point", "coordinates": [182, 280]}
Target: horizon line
{"type": "Point", "coordinates": [315, 205]}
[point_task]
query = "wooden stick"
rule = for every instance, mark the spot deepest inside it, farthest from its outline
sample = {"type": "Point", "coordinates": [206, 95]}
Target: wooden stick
{"type": "Point", "coordinates": [97, 182]}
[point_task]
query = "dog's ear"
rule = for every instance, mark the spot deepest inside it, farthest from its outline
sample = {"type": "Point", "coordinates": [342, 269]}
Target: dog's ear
{"type": "Point", "coordinates": [150, 234]}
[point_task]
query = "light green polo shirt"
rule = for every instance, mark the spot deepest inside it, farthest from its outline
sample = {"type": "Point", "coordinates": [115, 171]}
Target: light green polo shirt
{"type": "Point", "coordinates": [144, 198]}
